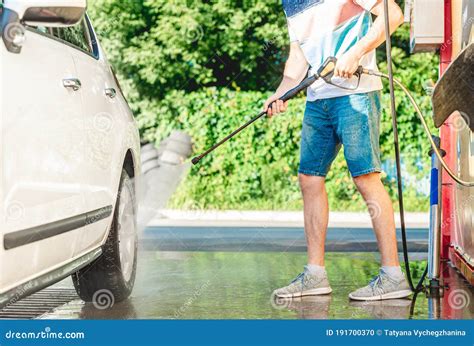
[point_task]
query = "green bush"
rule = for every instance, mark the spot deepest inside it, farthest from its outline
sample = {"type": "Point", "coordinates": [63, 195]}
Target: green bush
{"type": "Point", "coordinates": [207, 66]}
{"type": "Point", "coordinates": [161, 45]}
{"type": "Point", "coordinates": [256, 169]}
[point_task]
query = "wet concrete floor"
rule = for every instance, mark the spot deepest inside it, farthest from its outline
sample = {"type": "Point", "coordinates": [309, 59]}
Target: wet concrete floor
{"type": "Point", "coordinates": [238, 285]}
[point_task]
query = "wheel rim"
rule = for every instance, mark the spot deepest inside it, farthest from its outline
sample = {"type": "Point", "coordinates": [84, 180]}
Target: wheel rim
{"type": "Point", "coordinates": [126, 231]}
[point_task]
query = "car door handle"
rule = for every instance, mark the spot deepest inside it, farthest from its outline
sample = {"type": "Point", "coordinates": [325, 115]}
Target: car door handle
{"type": "Point", "coordinates": [110, 92]}
{"type": "Point", "coordinates": [72, 83]}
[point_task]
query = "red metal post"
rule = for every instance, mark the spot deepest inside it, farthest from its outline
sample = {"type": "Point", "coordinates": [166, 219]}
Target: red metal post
{"type": "Point", "coordinates": [448, 137]}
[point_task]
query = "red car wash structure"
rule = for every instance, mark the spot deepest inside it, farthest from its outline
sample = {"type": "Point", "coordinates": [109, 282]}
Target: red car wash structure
{"type": "Point", "coordinates": [450, 29]}
{"type": "Point", "coordinates": [447, 26]}
{"type": "Point", "coordinates": [457, 227]}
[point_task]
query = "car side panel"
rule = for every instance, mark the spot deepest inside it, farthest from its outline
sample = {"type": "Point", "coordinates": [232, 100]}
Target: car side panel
{"type": "Point", "coordinates": [110, 131]}
{"type": "Point", "coordinates": [42, 156]}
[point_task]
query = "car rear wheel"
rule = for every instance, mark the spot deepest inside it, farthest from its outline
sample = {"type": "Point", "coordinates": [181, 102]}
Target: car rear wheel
{"type": "Point", "coordinates": [112, 275]}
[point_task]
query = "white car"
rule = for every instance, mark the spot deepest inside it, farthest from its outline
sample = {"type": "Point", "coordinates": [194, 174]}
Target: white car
{"type": "Point", "coordinates": [69, 156]}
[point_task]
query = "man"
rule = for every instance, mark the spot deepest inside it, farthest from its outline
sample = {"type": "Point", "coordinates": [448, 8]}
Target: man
{"type": "Point", "coordinates": [337, 116]}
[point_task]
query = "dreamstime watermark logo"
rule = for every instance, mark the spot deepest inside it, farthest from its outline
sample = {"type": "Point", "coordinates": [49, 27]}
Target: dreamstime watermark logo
{"type": "Point", "coordinates": [279, 302]}
{"type": "Point", "coordinates": [45, 334]}
{"type": "Point", "coordinates": [103, 122]}
{"type": "Point", "coordinates": [449, 42]}
{"type": "Point", "coordinates": [19, 293]}
{"type": "Point", "coordinates": [193, 34]}
{"type": "Point", "coordinates": [197, 293]}
{"type": "Point", "coordinates": [356, 133]}
{"type": "Point", "coordinates": [460, 122]}
{"type": "Point", "coordinates": [303, 282]}
{"type": "Point", "coordinates": [106, 27]}
{"type": "Point", "coordinates": [459, 299]}
{"type": "Point", "coordinates": [451, 217]}
{"type": "Point", "coordinates": [100, 214]}
{"type": "Point", "coordinates": [15, 211]}
{"type": "Point", "coordinates": [374, 209]}
{"type": "Point", "coordinates": [103, 299]}
{"type": "Point", "coordinates": [198, 209]}
{"type": "Point", "coordinates": [14, 33]}
{"type": "Point", "coordinates": [360, 306]}
{"type": "Point", "coordinates": [272, 41]}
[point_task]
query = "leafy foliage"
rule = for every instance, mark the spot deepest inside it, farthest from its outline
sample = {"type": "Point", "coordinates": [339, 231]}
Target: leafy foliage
{"type": "Point", "coordinates": [207, 66]}
{"type": "Point", "coordinates": [162, 45]}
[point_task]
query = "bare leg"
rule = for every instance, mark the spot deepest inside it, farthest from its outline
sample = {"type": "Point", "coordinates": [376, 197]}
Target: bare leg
{"type": "Point", "coordinates": [381, 211]}
{"type": "Point", "coordinates": [316, 212]}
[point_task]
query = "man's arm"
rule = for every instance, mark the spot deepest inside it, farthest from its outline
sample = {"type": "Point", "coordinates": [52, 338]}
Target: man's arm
{"type": "Point", "coordinates": [296, 68]}
{"type": "Point", "coordinates": [348, 63]}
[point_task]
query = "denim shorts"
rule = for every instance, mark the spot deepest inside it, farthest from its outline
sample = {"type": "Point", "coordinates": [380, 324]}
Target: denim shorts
{"type": "Point", "coordinates": [352, 121]}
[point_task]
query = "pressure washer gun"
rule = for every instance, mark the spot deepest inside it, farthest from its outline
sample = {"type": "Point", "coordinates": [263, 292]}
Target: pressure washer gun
{"type": "Point", "coordinates": [325, 71]}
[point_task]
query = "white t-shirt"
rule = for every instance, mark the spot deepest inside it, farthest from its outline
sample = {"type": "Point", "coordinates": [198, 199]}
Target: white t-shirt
{"type": "Point", "coordinates": [326, 28]}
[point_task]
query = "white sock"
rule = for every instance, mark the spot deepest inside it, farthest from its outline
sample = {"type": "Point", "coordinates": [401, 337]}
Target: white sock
{"type": "Point", "coordinates": [315, 269]}
{"type": "Point", "coordinates": [393, 271]}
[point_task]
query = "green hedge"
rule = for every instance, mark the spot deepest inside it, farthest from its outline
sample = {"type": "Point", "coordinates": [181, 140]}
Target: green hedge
{"type": "Point", "coordinates": [258, 168]}
{"type": "Point", "coordinates": [203, 66]}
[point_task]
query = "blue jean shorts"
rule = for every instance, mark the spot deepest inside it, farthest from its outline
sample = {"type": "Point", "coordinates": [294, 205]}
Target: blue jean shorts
{"type": "Point", "coordinates": [351, 121]}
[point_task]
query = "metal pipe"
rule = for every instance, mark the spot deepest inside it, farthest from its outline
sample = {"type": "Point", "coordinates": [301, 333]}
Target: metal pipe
{"type": "Point", "coordinates": [434, 235]}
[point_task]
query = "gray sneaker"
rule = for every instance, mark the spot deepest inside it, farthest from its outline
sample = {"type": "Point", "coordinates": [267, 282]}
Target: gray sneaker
{"type": "Point", "coordinates": [382, 287]}
{"type": "Point", "coordinates": [305, 284]}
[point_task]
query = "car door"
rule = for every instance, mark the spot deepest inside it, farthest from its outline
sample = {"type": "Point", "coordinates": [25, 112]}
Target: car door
{"type": "Point", "coordinates": [42, 148]}
{"type": "Point", "coordinates": [102, 136]}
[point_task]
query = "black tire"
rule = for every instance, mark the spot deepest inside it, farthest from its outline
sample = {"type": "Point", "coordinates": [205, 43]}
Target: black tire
{"type": "Point", "coordinates": [105, 275]}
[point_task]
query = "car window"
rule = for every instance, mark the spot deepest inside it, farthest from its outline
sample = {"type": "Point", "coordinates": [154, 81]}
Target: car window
{"type": "Point", "coordinates": [43, 29]}
{"type": "Point", "coordinates": [77, 35]}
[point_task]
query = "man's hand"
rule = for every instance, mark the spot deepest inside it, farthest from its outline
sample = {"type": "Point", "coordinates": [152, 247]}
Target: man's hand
{"type": "Point", "coordinates": [295, 69]}
{"type": "Point", "coordinates": [277, 107]}
{"type": "Point", "coordinates": [347, 64]}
